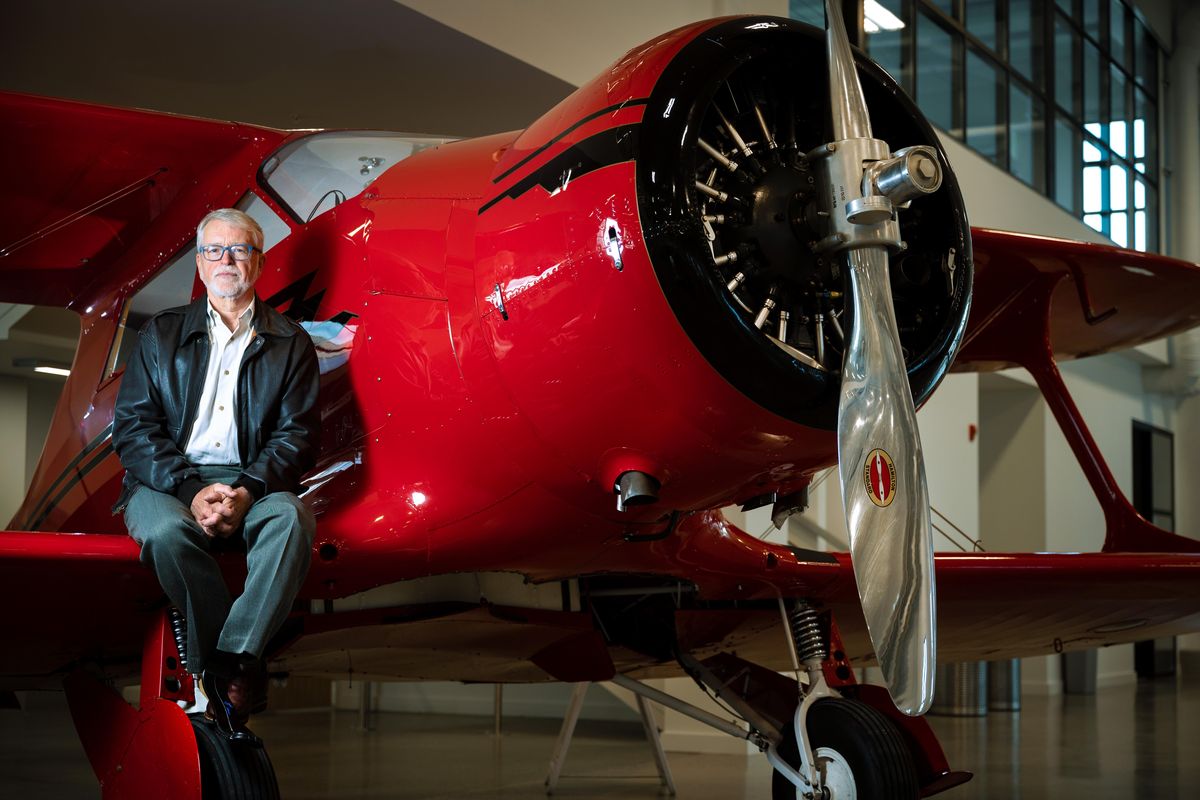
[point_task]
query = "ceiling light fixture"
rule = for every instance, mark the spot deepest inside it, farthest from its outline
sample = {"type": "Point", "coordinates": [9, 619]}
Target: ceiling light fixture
{"type": "Point", "coordinates": [876, 18]}
{"type": "Point", "coordinates": [42, 366]}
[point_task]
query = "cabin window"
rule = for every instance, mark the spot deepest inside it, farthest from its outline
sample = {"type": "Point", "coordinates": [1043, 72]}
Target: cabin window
{"type": "Point", "coordinates": [313, 175]}
{"type": "Point", "coordinates": [174, 284]}
{"type": "Point", "coordinates": [171, 287]}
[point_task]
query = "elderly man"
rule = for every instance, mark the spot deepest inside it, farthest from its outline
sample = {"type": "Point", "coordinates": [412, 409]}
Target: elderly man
{"type": "Point", "coordinates": [216, 422]}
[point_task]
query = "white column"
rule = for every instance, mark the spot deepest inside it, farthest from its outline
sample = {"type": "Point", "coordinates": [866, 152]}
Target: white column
{"type": "Point", "coordinates": [1182, 159]}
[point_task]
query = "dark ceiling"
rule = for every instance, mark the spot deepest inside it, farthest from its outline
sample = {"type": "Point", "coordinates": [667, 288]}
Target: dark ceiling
{"type": "Point", "coordinates": [282, 63]}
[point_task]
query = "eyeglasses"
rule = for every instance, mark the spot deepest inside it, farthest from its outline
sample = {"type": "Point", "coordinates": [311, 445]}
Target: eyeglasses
{"type": "Point", "coordinates": [216, 252]}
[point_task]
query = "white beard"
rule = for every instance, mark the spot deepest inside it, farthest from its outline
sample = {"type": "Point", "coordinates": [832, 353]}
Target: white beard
{"type": "Point", "coordinates": [226, 289]}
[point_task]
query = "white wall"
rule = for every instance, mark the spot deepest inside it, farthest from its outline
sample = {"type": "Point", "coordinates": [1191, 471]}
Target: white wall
{"type": "Point", "coordinates": [995, 199]}
{"type": "Point", "coordinates": [13, 406]}
{"type": "Point", "coordinates": [1183, 191]}
{"type": "Point", "coordinates": [1012, 467]}
{"type": "Point", "coordinates": [952, 457]}
{"type": "Point", "coordinates": [42, 401]}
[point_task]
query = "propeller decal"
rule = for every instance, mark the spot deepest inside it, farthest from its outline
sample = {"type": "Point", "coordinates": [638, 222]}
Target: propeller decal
{"type": "Point", "coordinates": [879, 474]}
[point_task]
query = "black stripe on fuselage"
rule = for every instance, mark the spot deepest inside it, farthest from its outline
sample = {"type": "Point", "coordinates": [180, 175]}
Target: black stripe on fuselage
{"type": "Point", "coordinates": [45, 504]}
{"type": "Point", "coordinates": [105, 452]}
{"type": "Point", "coordinates": [641, 101]}
{"type": "Point", "coordinates": [613, 146]}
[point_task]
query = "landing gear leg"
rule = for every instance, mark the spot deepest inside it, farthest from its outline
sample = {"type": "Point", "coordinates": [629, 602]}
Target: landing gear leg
{"type": "Point", "coordinates": [858, 755]}
{"type": "Point", "coordinates": [155, 750]}
{"type": "Point", "coordinates": [836, 748]}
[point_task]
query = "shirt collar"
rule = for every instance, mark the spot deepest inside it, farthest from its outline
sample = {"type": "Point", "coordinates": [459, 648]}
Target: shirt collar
{"type": "Point", "coordinates": [214, 318]}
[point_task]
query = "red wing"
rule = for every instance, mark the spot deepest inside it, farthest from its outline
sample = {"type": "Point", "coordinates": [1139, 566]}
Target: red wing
{"type": "Point", "coordinates": [1103, 298]}
{"type": "Point", "coordinates": [85, 597]}
{"type": "Point", "coordinates": [70, 598]}
{"type": "Point", "coordinates": [74, 204]}
{"type": "Point", "coordinates": [996, 606]}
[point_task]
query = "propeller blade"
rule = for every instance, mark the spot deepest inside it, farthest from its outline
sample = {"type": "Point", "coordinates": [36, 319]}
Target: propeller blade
{"type": "Point", "coordinates": [879, 447]}
{"type": "Point", "coordinates": [884, 490]}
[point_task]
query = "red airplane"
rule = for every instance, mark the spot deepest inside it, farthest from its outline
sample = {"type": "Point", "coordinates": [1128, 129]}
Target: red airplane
{"type": "Point", "coordinates": [548, 357]}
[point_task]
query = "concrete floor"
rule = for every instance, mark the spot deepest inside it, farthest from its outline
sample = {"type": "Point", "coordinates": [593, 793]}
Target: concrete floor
{"type": "Point", "coordinates": [1133, 741]}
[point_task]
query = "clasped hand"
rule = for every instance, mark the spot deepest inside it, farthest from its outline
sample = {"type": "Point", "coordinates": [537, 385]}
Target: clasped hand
{"type": "Point", "coordinates": [219, 509]}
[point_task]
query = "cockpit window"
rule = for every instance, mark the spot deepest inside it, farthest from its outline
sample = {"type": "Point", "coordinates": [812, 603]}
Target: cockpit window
{"type": "Point", "coordinates": [316, 173]}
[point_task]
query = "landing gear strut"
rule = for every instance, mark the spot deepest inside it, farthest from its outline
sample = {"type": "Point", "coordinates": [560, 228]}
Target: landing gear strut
{"type": "Point", "coordinates": [155, 750]}
{"type": "Point", "coordinates": [857, 752]}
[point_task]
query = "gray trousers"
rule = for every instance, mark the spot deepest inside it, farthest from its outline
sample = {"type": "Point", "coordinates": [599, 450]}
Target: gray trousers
{"type": "Point", "coordinates": [278, 532]}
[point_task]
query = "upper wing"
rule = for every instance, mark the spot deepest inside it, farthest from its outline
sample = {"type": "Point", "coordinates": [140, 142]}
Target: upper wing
{"type": "Point", "coordinates": [84, 183]}
{"type": "Point", "coordinates": [1102, 298]}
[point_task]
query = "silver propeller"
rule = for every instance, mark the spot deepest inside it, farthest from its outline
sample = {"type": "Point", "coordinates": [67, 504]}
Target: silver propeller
{"type": "Point", "coordinates": [879, 447]}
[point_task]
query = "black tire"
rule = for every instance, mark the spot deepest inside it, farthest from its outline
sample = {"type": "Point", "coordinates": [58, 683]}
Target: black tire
{"type": "Point", "coordinates": [232, 771]}
{"type": "Point", "coordinates": [869, 743]}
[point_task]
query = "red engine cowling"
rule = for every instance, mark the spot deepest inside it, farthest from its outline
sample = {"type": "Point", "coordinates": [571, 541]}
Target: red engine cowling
{"type": "Point", "coordinates": [628, 284]}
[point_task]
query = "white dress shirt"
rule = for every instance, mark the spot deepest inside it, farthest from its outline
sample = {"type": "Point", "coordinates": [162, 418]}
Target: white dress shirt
{"type": "Point", "coordinates": [214, 438]}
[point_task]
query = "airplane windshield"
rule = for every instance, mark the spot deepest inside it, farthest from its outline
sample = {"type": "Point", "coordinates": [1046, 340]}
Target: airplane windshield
{"type": "Point", "coordinates": [314, 174]}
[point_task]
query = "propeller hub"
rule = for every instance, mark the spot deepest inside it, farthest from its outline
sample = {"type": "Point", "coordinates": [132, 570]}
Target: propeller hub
{"type": "Point", "coordinates": [778, 201]}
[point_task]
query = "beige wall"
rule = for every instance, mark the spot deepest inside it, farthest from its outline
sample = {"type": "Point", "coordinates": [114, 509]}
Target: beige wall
{"type": "Point", "coordinates": [13, 405]}
{"type": "Point", "coordinates": [26, 409]}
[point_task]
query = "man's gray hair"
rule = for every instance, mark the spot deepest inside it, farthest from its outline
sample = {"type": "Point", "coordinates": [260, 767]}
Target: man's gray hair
{"type": "Point", "coordinates": [232, 216]}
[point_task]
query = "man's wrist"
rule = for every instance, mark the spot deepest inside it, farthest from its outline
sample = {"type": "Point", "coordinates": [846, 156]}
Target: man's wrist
{"type": "Point", "coordinates": [251, 484]}
{"type": "Point", "coordinates": [187, 490]}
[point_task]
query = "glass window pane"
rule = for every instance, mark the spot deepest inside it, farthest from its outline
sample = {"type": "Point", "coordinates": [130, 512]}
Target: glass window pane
{"type": "Point", "coordinates": [1146, 113]}
{"type": "Point", "coordinates": [1151, 218]}
{"type": "Point", "coordinates": [1147, 58]}
{"type": "Point", "coordinates": [936, 74]}
{"type": "Point", "coordinates": [1066, 5]}
{"type": "Point", "coordinates": [985, 109]}
{"type": "Point", "coordinates": [981, 21]}
{"type": "Point", "coordinates": [1120, 229]}
{"type": "Point", "coordinates": [1068, 91]}
{"type": "Point", "coordinates": [1093, 83]}
{"type": "Point", "coordinates": [1139, 193]}
{"type": "Point", "coordinates": [945, 5]}
{"type": "Point", "coordinates": [171, 287]}
{"type": "Point", "coordinates": [1118, 183]}
{"type": "Point", "coordinates": [1093, 188]}
{"type": "Point", "coordinates": [1091, 18]}
{"type": "Point", "coordinates": [1067, 176]}
{"type": "Point", "coordinates": [1117, 136]}
{"type": "Point", "coordinates": [1118, 99]}
{"type": "Point", "coordinates": [1025, 38]}
{"type": "Point", "coordinates": [891, 47]}
{"type": "Point", "coordinates": [810, 11]}
{"type": "Point", "coordinates": [312, 175]}
{"type": "Point", "coordinates": [1116, 28]}
{"type": "Point", "coordinates": [1139, 230]}
{"type": "Point", "coordinates": [1027, 137]}
{"type": "Point", "coordinates": [1091, 152]}
{"type": "Point", "coordinates": [1094, 221]}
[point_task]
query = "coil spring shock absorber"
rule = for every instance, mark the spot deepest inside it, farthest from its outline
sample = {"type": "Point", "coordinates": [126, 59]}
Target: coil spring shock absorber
{"type": "Point", "coordinates": [179, 630]}
{"type": "Point", "coordinates": [806, 634]}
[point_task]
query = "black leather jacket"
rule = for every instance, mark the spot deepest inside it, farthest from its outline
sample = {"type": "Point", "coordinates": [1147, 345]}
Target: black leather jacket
{"type": "Point", "coordinates": [278, 422]}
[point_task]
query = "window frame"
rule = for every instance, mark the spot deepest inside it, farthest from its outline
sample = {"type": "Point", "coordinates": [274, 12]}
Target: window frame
{"type": "Point", "coordinates": [1135, 71]}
